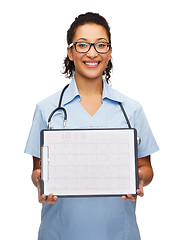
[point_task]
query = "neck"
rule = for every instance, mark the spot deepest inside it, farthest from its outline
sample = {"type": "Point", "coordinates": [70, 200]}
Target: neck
{"type": "Point", "coordinates": [89, 86]}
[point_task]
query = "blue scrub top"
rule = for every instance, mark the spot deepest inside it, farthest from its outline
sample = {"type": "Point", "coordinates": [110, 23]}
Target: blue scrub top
{"type": "Point", "coordinates": [90, 218]}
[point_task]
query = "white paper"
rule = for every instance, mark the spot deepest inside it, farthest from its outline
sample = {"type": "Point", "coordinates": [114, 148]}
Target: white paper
{"type": "Point", "coordinates": [89, 162]}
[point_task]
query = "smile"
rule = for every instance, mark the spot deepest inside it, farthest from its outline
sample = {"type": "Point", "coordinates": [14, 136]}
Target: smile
{"type": "Point", "coordinates": [92, 64]}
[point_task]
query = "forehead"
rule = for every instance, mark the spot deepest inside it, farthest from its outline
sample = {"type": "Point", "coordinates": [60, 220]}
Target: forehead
{"type": "Point", "coordinates": [90, 32]}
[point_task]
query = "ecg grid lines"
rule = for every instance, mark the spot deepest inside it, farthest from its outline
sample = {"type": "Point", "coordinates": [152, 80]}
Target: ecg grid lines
{"type": "Point", "coordinates": [90, 163]}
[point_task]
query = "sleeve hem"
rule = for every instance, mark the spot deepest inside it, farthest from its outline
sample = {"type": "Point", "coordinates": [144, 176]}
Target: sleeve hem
{"type": "Point", "coordinates": [147, 153]}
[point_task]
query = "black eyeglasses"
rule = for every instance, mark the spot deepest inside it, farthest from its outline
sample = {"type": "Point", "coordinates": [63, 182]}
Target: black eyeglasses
{"type": "Point", "coordinates": [84, 47]}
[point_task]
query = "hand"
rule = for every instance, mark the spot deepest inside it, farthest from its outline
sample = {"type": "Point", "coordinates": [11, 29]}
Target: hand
{"type": "Point", "coordinates": [140, 191]}
{"type": "Point", "coordinates": [36, 174]}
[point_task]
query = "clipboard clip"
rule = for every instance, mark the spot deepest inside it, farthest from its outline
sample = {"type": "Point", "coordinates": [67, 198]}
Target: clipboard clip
{"type": "Point", "coordinates": [44, 163]}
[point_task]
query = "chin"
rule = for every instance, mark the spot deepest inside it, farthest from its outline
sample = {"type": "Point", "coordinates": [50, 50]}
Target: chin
{"type": "Point", "coordinates": [92, 74]}
{"type": "Point", "coordinates": [93, 77]}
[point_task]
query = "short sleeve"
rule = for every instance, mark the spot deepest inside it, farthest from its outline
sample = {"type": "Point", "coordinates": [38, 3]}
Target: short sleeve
{"type": "Point", "coordinates": [33, 142]}
{"type": "Point", "coordinates": [148, 143]}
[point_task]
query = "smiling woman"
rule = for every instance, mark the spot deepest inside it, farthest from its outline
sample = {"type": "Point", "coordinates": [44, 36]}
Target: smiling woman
{"type": "Point", "coordinates": [90, 103]}
{"type": "Point", "coordinates": [104, 40]}
{"type": "Point", "coordinates": [89, 62]}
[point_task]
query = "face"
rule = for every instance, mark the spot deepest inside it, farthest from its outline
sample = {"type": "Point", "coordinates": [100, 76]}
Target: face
{"type": "Point", "coordinates": [90, 65]}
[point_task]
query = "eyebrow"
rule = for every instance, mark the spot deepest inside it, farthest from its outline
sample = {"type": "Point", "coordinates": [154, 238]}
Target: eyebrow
{"type": "Point", "coordinates": [98, 39]}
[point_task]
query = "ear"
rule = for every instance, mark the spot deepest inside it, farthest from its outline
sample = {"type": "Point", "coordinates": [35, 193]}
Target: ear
{"type": "Point", "coordinates": [70, 54]}
{"type": "Point", "coordinates": [110, 52]}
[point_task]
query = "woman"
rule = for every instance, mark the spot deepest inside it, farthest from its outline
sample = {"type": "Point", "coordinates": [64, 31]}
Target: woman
{"type": "Point", "coordinates": [90, 103]}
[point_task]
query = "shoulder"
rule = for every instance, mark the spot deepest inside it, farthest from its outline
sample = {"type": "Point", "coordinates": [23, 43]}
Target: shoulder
{"type": "Point", "coordinates": [116, 96]}
{"type": "Point", "coordinates": [46, 106]}
{"type": "Point", "coordinates": [131, 105]}
{"type": "Point", "coordinates": [50, 100]}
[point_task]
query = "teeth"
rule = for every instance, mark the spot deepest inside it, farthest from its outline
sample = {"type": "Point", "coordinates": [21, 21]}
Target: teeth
{"type": "Point", "coordinates": [91, 64]}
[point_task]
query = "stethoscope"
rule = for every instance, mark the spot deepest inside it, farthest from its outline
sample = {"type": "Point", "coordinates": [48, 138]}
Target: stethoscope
{"type": "Point", "coordinates": [65, 113]}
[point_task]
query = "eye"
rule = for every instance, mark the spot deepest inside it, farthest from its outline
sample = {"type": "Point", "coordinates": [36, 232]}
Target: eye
{"type": "Point", "coordinates": [101, 45]}
{"type": "Point", "coordinates": [82, 45]}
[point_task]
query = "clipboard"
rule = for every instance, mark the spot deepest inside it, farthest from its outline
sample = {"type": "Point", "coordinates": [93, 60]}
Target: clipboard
{"type": "Point", "coordinates": [89, 162]}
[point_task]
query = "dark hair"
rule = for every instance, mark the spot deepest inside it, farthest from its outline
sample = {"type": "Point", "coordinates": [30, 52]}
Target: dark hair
{"type": "Point", "coordinates": [89, 17]}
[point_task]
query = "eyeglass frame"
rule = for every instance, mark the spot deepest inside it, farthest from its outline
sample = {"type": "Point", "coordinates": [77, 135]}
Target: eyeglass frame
{"type": "Point", "coordinates": [91, 44]}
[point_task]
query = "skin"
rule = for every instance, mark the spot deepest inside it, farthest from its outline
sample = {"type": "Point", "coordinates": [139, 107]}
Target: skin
{"type": "Point", "coordinates": [89, 82]}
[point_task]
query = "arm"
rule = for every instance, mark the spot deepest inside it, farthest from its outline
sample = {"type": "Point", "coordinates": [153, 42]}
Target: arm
{"type": "Point", "coordinates": [144, 165]}
{"type": "Point", "coordinates": [145, 177]}
{"type": "Point", "coordinates": [36, 174]}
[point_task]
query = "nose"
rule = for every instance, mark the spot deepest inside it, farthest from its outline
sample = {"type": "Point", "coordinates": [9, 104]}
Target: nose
{"type": "Point", "coordinates": [92, 52]}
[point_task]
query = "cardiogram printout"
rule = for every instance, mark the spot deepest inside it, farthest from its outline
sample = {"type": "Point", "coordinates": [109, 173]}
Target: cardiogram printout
{"type": "Point", "coordinates": [89, 162]}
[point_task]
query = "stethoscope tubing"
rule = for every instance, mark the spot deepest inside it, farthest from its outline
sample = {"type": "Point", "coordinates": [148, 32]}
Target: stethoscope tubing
{"type": "Point", "coordinates": [59, 108]}
{"type": "Point", "coordinates": [65, 113]}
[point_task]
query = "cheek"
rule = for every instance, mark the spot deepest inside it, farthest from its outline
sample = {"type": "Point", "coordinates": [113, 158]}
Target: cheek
{"type": "Point", "coordinates": [77, 58]}
{"type": "Point", "coordinates": [105, 61]}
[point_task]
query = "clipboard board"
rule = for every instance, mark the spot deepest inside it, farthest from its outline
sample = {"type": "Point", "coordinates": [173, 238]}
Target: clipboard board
{"type": "Point", "coordinates": [89, 162]}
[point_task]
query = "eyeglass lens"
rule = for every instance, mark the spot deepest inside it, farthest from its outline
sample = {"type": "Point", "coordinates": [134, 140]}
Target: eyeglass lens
{"type": "Point", "coordinates": [101, 47]}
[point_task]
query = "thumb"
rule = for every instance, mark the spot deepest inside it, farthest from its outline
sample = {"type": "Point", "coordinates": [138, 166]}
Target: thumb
{"type": "Point", "coordinates": [140, 175]}
{"type": "Point", "coordinates": [38, 177]}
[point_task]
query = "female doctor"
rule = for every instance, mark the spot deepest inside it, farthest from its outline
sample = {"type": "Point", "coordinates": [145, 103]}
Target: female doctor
{"type": "Point", "coordinates": [90, 103]}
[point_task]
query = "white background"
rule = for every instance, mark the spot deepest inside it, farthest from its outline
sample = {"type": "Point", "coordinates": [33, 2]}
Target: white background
{"type": "Point", "coordinates": [145, 40]}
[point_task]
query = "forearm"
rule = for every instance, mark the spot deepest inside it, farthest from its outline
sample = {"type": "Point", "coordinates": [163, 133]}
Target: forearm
{"type": "Point", "coordinates": [36, 177]}
{"type": "Point", "coordinates": [36, 171]}
{"type": "Point", "coordinates": [147, 172]}
{"type": "Point", "coordinates": [144, 165]}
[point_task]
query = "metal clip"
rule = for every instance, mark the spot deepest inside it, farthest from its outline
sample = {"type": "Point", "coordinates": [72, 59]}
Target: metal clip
{"type": "Point", "coordinates": [45, 163]}
{"type": "Point", "coordinates": [64, 123]}
{"type": "Point", "coordinates": [138, 140]}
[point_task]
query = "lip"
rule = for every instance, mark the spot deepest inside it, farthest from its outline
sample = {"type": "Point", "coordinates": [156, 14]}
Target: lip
{"type": "Point", "coordinates": [91, 64]}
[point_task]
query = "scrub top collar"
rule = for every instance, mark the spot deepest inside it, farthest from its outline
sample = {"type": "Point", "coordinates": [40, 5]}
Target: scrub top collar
{"type": "Point", "coordinates": [72, 92]}
{"type": "Point", "coordinates": [112, 94]}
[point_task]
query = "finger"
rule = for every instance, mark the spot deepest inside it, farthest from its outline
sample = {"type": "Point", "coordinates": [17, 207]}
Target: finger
{"type": "Point", "coordinates": [42, 198]}
{"type": "Point", "coordinates": [49, 199]}
{"type": "Point", "coordinates": [140, 174]}
{"type": "Point", "coordinates": [129, 197]}
{"type": "Point", "coordinates": [140, 192]}
{"type": "Point", "coordinates": [124, 197]}
{"type": "Point", "coordinates": [54, 199]}
{"type": "Point", "coordinates": [38, 182]}
{"type": "Point", "coordinates": [141, 179]}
